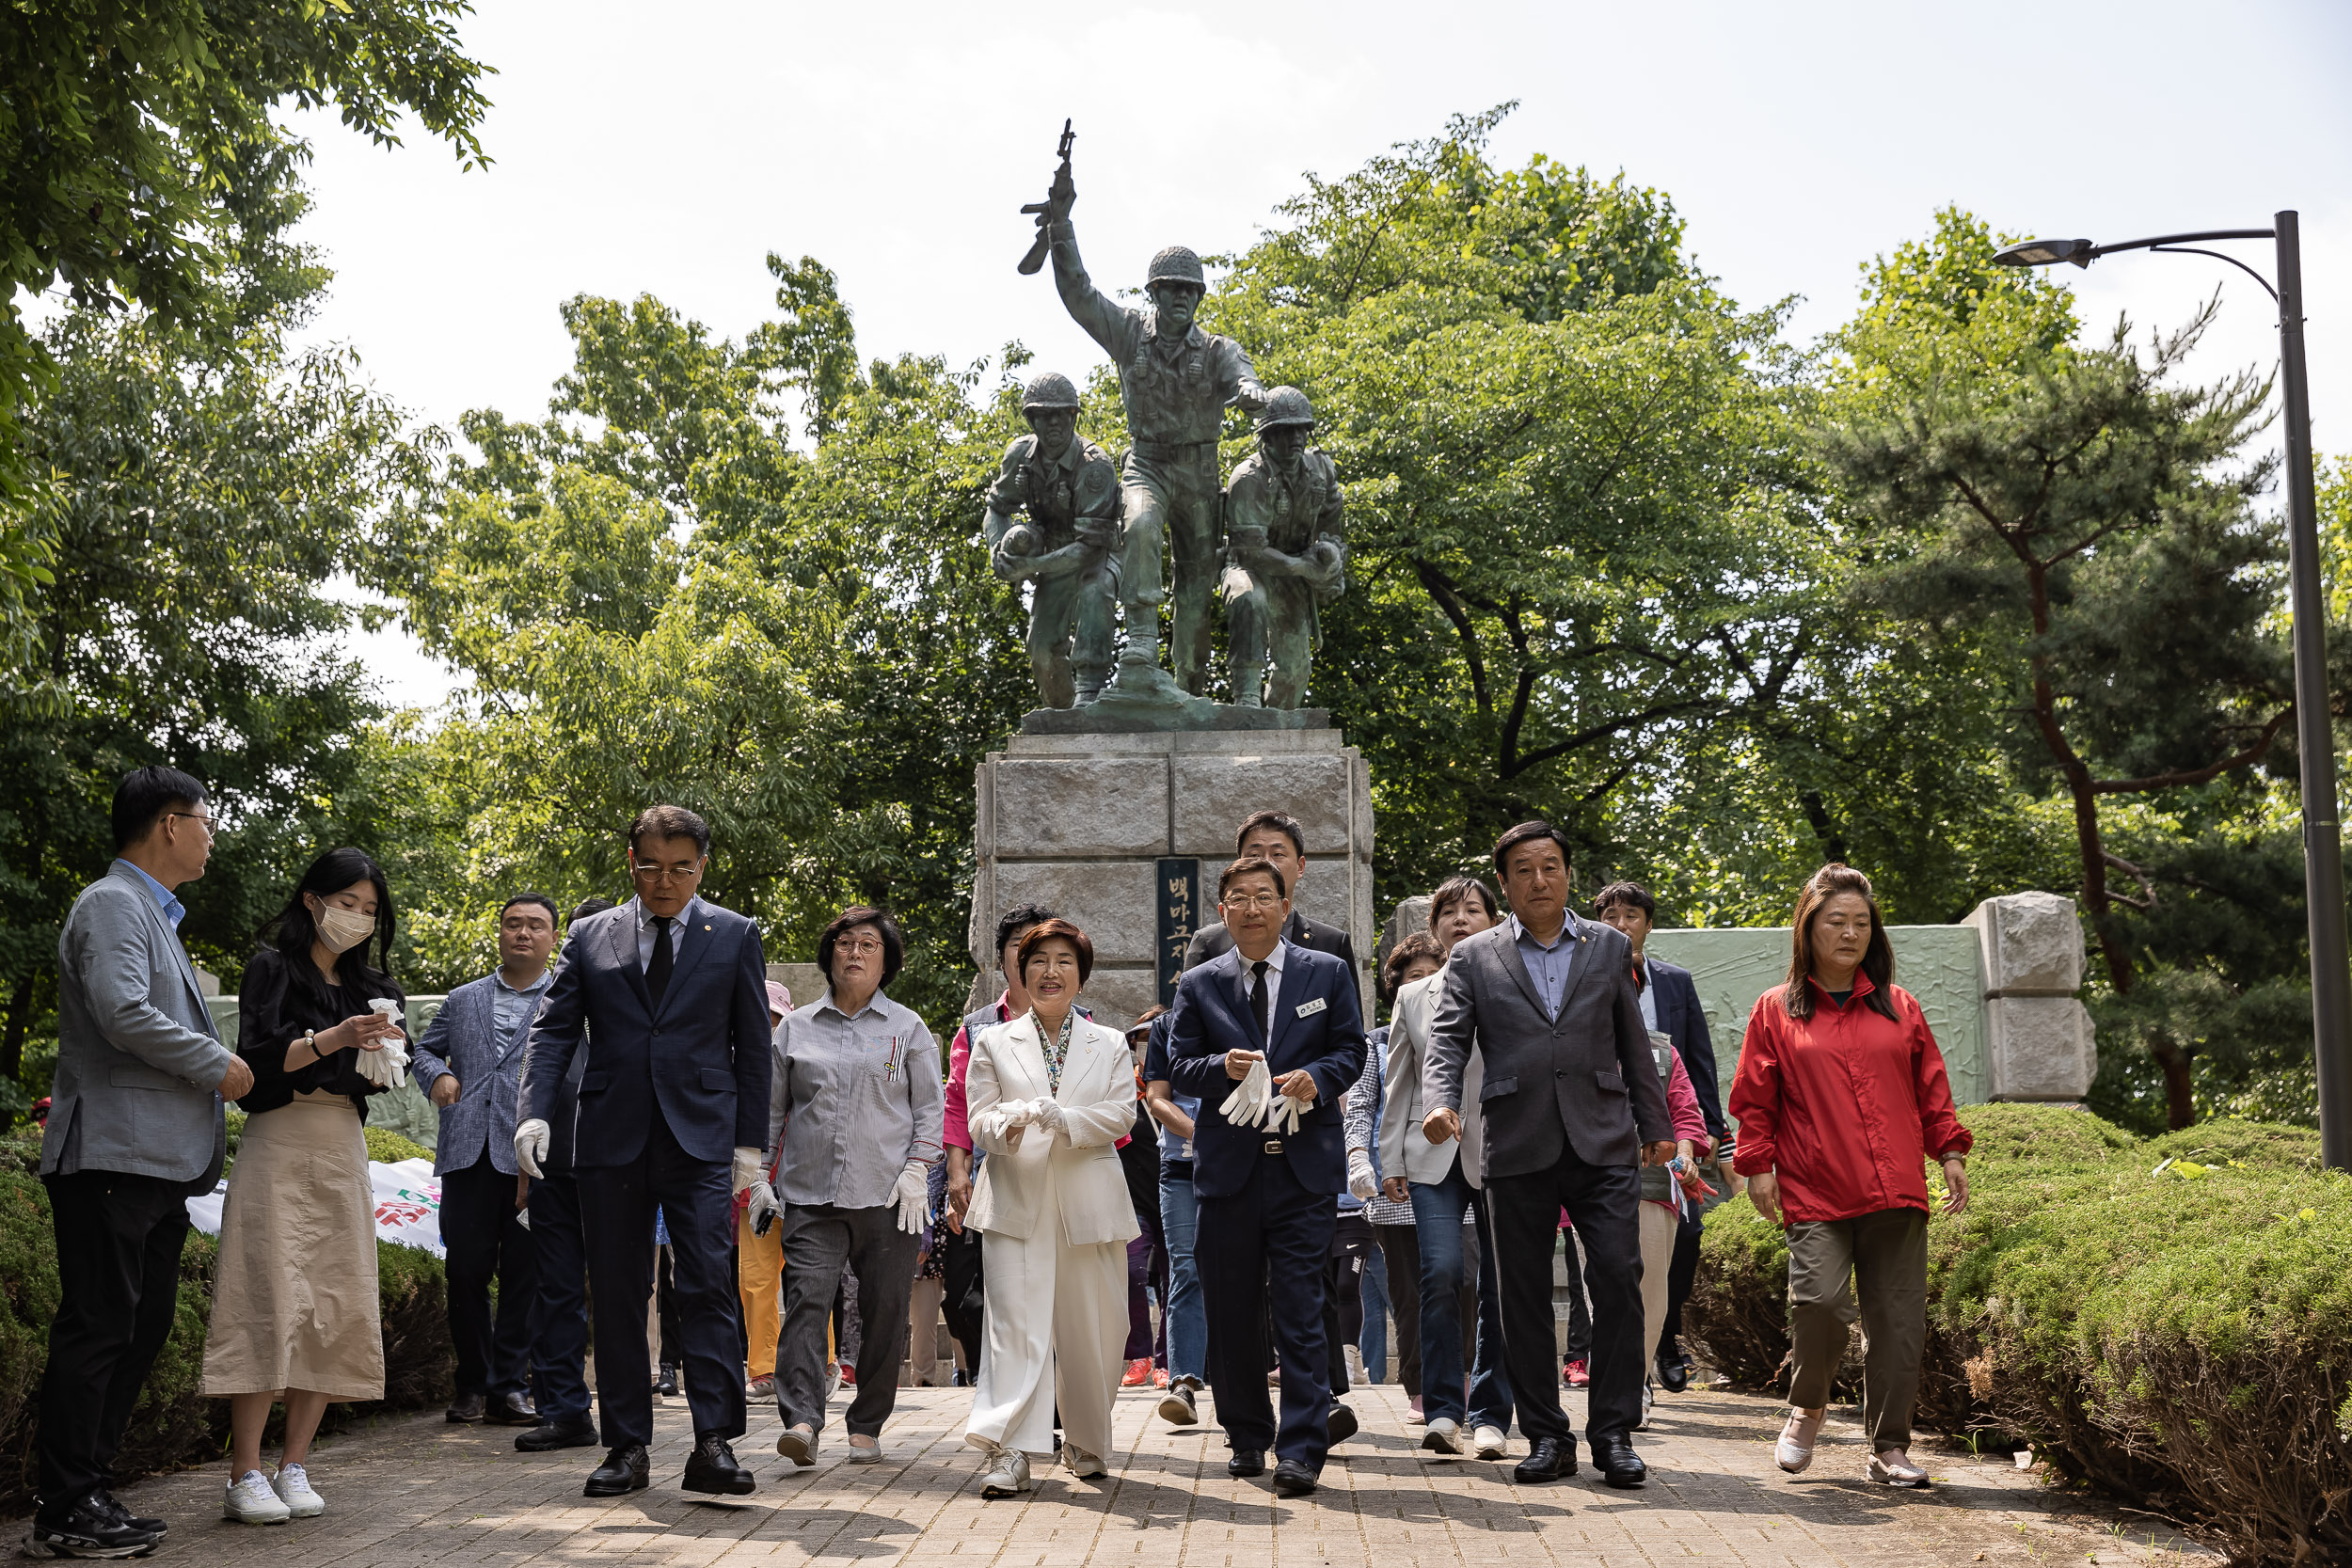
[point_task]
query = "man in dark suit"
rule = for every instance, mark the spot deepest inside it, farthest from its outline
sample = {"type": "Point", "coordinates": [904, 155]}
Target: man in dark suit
{"type": "Point", "coordinates": [1573, 1108]}
{"type": "Point", "coordinates": [559, 1308]}
{"type": "Point", "coordinates": [669, 997]}
{"type": "Point", "coordinates": [1270, 1038]}
{"type": "Point", "coordinates": [1670, 1005]}
{"type": "Point", "coordinates": [1278, 839]}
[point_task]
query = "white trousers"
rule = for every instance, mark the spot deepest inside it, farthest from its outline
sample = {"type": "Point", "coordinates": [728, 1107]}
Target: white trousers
{"type": "Point", "coordinates": [1057, 1320]}
{"type": "Point", "coordinates": [1657, 1256]}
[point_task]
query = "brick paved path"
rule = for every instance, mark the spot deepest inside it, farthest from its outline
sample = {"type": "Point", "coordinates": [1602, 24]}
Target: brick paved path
{"type": "Point", "coordinates": [420, 1494]}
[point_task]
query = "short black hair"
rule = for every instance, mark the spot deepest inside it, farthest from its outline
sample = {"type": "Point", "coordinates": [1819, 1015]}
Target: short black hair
{"type": "Point", "coordinates": [143, 796]}
{"type": "Point", "coordinates": [1251, 865]}
{"type": "Point", "coordinates": [1017, 920]}
{"type": "Point", "coordinates": [1455, 889]}
{"type": "Point", "coordinates": [670, 822]}
{"type": "Point", "coordinates": [893, 944]}
{"type": "Point", "coordinates": [587, 906]}
{"type": "Point", "coordinates": [1528, 832]}
{"type": "Point", "coordinates": [1257, 820]}
{"type": "Point", "coordinates": [554, 916]}
{"type": "Point", "coordinates": [1421, 944]}
{"type": "Point", "coordinates": [1625, 893]}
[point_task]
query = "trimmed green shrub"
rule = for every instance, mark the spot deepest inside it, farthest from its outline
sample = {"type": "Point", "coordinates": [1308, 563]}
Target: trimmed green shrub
{"type": "Point", "coordinates": [2168, 1320]}
{"type": "Point", "coordinates": [390, 1149]}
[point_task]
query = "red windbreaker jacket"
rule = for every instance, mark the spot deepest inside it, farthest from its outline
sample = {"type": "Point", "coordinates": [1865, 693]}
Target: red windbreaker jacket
{"type": "Point", "coordinates": [1845, 1105]}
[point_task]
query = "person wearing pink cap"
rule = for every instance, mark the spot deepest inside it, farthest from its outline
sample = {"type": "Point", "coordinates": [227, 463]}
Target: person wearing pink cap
{"type": "Point", "coordinates": [759, 1272]}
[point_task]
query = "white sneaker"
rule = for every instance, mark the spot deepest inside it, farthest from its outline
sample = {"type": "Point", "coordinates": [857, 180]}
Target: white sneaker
{"type": "Point", "coordinates": [1487, 1442]}
{"type": "Point", "coordinates": [1008, 1473]}
{"type": "Point", "coordinates": [1444, 1435]}
{"type": "Point", "coordinates": [293, 1485]}
{"type": "Point", "coordinates": [251, 1501]}
{"type": "Point", "coordinates": [1086, 1467]}
{"type": "Point", "coordinates": [1893, 1467]}
{"type": "Point", "coordinates": [1794, 1450]}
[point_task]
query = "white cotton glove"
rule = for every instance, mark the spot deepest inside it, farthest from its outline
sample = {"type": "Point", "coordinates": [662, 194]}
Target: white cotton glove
{"type": "Point", "coordinates": [747, 1171]}
{"type": "Point", "coordinates": [1247, 1105]}
{"type": "Point", "coordinates": [1284, 1114]}
{"type": "Point", "coordinates": [914, 1194]}
{"type": "Point", "coordinates": [530, 1147]}
{"type": "Point", "coordinates": [1360, 1179]}
{"type": "Point", "coordinates": [1047, 1114]}
{"type": "Point", "coordinates": [763, 1208]}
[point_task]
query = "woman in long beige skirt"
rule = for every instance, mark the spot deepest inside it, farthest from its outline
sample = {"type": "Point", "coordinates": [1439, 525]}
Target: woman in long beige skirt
{"type": "Point", "coordinates": [295, 1313]}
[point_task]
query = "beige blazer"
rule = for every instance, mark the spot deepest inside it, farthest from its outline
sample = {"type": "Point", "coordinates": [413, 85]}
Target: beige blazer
{"type": "Point", "coordinates": [1404, 1151]}
{"type": "Point", "coordinates": [1073, 1175]}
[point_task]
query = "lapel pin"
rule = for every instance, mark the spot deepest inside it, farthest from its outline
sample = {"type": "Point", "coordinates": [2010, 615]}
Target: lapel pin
{"type": "Point", "coordinates": [706, 926]}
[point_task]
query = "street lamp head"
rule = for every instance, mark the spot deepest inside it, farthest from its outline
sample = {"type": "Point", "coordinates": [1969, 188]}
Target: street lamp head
{"type": "Point", "coordinates": [2043, 253]}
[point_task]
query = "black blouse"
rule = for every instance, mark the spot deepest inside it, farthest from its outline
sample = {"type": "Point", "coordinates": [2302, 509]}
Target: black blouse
{"type": "Point", "coordinates": [282, 999]}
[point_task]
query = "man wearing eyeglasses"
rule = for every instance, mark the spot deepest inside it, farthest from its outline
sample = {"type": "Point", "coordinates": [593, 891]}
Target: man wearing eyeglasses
{"type": "Point", "coordinates": [668, 996]}
{"type": "Point", "coordinates": [134, 1130]}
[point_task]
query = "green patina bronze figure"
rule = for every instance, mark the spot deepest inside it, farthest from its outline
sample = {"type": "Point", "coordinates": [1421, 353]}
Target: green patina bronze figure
{"type": "Point", "coordinates": [1065, 546]}
{"type": "Point", "coordinates": [1285, 555]}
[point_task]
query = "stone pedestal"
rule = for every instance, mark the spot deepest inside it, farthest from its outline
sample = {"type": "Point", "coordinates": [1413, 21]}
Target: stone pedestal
{"type": "Point", "coordinates": [2038, 1036]}
{"type": "Point", "coordinates": [1085, 822]}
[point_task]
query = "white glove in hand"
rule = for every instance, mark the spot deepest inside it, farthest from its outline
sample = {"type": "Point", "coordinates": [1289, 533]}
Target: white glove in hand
{"type": "Point", "coordinates": [530, 1147]}
{"type": "Point", "coordinates": [762, 1207]}
{"type": "Point", "coordinates": [1047, 1114]}
{"type": "Point", "coordinates": [1282, 1115]}
{"type": "Point", "coordinates": [1247, 1105]}
{"type": "Point", "coordinates": [747, 1163]}
{"type": "Point", "coordinates": [914, 1194]}
{"type": "Point", "coordinates": [1360, 1179]}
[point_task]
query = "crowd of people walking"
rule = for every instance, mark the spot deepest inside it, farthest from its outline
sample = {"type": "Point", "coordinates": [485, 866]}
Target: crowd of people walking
{"type": "Point", "coordinates": [633, 1113]}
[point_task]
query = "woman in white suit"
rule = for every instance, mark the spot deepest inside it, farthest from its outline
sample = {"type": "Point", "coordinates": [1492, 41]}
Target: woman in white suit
{"type": "Point", "coordinates": [1049, 1093]}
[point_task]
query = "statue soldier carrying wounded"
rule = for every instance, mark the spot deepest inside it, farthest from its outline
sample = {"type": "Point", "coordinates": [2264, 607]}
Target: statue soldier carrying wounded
{"type": "Point", "coordinates": [1284, 554]}
{"type": "Point", "coordinates": [1070, 490]}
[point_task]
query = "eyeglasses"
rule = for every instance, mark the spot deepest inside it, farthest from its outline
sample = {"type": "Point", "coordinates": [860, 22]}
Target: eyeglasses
{"type": "Point", "coordinates": [1253, 900]}
{"type": "Point", "coordinates": [865, 948]}
{"type": "Point", "coordinates": [647, 872]}
{"type": "Point", "coordinates": [195, 816]}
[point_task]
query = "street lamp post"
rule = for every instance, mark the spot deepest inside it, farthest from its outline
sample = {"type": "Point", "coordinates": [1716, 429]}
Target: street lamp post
{"type": "Point", "coordinates": [2323, 850]}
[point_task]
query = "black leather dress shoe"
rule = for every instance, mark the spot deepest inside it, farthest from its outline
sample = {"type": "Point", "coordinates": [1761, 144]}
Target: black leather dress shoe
{"type": "Point", "coordinates": [1244, 1463]}
{"type": "Point", "coordinates": [625, 1469]}
{"type": "Point", "coordinates": [466, 1409]}
{"type": "Point", "coordinates": [511, 1410]}
{"type": "Point", "coordinates": [1547, 1459]}
{"type": "Point", "coordinates": [1292, 1479]}
{"type": "Point", "coordinates": [1674, 1373]}
{"type": "Point", "coordinates": [711, 1467]}
{"type": "Point", "coordinates": [1619, 1465]}
{"type": "Point", "coordinates": [576, 1432]}
{"type": "Point", "coordinates": [1342, 1424]}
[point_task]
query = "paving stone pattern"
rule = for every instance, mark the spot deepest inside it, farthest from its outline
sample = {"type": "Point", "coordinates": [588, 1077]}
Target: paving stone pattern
{"type": "Point", "coordinates": [417, 1493]}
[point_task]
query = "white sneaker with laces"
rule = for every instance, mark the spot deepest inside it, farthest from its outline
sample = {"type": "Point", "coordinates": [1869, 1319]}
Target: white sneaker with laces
{"type": "Point", "coordinates": [250, 1500]}
{"type": "Point", "coordinates": [1084, 1466]}
{"type": "Point", "coordinates": [1444, 1435]}
{"type": "Point", "coordinates": [1007, 1472]}
{"type": "Point", "coordinates": [293, 1485]}
{"type": "Point", "coordinates": [1487, 1442]}
{"type": "Point", "coordinates": [1794, 1450]}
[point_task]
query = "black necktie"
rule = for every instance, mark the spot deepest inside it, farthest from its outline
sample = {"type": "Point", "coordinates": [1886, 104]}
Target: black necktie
{"type": "Point", "coordinates": [664, 960]}
{"type": "Point", "coordinates": [1258, 998]}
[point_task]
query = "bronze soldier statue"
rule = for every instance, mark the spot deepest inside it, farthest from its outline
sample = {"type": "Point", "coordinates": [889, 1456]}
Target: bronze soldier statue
{"type": "Point", "coordinates": [1285, 555]}
{"type": "Point", "coordinates": [1070, 490]}
{"type": "Point", "coordinates": [1176, 381]}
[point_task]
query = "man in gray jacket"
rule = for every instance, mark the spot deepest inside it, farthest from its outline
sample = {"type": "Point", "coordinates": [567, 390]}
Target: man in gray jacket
{"type": "Point", "coordinates": [135, 1130]}
{"type": "Point", "coordinates": [1573, 1109]}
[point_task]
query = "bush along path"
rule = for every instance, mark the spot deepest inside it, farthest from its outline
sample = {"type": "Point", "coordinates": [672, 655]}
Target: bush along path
{"type": "Point", "coordinates": [2169, 1320]}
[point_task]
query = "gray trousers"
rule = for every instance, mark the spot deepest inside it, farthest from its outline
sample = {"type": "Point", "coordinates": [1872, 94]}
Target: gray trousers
{"type": "Point", "coordinates": [1882, 1258]}
{"type": "Point", "coordinates": [818, 1242]}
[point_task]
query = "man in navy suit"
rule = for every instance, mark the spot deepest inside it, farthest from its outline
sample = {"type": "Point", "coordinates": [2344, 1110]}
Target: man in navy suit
{"type": "Point", "coordinates": [1670, 1005]}
{"type": "Point", "coordinates": [1270, 1038]}
{"type": "Point", "coordinates": [668, 995]}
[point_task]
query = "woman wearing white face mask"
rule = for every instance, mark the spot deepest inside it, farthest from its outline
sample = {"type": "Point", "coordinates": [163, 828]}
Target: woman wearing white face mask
{"type": "Point", "coordinates": [295, 1313]}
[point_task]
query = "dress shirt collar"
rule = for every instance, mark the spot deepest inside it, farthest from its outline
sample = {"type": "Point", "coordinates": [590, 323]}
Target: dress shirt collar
{"type": "Point", "coordinates": [1570, 931]}
{"type": "Point", "coordinates": [173, 909]}
{"type": "Point", "coordinates": [1273, 959]}
{"type": "Point", "coordinates": [547, 977]}
{"type": "Point", "coordinates": [879, 1002]}
{"type": "Point", "coordinates": [682, 919]}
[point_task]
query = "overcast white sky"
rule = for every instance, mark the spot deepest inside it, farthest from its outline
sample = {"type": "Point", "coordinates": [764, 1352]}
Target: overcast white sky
{"type": "Point", "coordinates": [667, 148]}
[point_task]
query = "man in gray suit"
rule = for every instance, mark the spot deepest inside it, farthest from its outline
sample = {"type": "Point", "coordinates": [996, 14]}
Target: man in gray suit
{"type": "Point", "coordinates": [1573, 1107]}
{"type": "Point", "coordinates": [135, 1130]}
{"type": "Point", "coordinates": [471, 1061]}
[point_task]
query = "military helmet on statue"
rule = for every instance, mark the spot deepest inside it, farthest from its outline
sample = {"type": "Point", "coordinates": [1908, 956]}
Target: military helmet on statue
{"type": "Point", "coordinates": [1176, 265]}
{"type": "Point", "coordinates": [1286, 406]}
{"type": "Point", "coordinates": [1048, 389]}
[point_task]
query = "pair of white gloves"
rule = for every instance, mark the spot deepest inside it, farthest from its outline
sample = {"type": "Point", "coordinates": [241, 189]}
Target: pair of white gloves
{"type": "Point", "coordinates": [1008, 1119]}
{"type": "Point", "coordinates": [387, 1067]}
{"type": "Point", "coordinates": [1254, 1104]}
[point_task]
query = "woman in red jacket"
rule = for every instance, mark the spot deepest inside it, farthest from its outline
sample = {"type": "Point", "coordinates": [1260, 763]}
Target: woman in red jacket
{"type": "Point", "coordinates": [1840, 1097]}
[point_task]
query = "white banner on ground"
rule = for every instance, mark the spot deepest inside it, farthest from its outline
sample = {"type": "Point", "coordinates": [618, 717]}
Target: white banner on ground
{"type": "Point", "coordinates": [407, 1205]}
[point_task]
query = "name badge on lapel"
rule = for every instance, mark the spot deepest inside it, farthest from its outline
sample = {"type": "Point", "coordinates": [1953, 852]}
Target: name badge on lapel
{"type": "Point", "coordinates": [1308, 1009]}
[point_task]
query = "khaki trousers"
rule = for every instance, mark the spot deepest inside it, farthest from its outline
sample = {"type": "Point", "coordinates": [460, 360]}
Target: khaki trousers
{"type": "Point", "coordinates": [1881, 1257]}
{"type": "Point", "coordinates": [759, 1274]}
{"type": "Point", "coordinates": [1657, 1252]}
